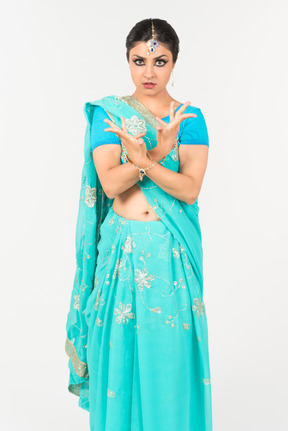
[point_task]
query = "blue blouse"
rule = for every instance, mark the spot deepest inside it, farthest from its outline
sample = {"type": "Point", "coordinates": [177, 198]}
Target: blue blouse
{"type": "Point", "coordinates": [192, 130]}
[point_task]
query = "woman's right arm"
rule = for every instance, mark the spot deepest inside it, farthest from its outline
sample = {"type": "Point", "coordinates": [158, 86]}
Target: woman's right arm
{"type": "Point", "coordinates": [114, 176]}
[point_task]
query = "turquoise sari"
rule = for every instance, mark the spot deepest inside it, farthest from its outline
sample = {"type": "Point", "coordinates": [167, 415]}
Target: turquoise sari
{"type": "Point", "coordinates": [178, 221]}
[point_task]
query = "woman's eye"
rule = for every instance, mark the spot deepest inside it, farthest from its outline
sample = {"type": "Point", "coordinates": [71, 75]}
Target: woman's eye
{"type": "Point", "coordinates": [136, 62]}
{"type": "Point", "coordinates": [161, 61]}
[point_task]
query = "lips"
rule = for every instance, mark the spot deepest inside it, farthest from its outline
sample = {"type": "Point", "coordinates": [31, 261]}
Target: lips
{"type": "Point", "coordinates": [149, 84]}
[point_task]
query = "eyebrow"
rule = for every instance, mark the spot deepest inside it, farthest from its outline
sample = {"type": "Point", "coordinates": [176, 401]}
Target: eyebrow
{"type": "Point", "coordinates": [143, 58]}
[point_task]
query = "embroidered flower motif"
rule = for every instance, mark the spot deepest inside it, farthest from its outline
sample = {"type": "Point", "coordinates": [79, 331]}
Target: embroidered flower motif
{"type": "Point", "coordinates": [123, 313]}
{"type": "Point", "coordinates": [186, 325]}
{"type": "Point", "coordinates": [96, 305]}
{"type": "Point", "coordinates": [127, 247]}
{"type": "Point", "coordinates": [110, 393]}
{"type": "Point", "coordinates": [198, 306]}
{"type": "Point", "coordinates": [164, 248]}
{"type": "Point", "coordinates": [175, 253]}
{"type": "Point", "coordinates": [135, 125]}
{"type": "Point", "coordinates": [90, 196]}
{"type": "Point", "coordinates": [143, 279]}
{"type": "Point", "coordinates": [119, 264]}
{"type": "Point", "coordinates": [76, 303]}
{"type": "Point", "coordinates": [111, 221]}
{"type": "Point", "coordinates": [206, 381]}
{"type": "Point", "coordinates": [99, 322]}
{"type": "Point", "coordinates": [156, 310]}
{"type": "Point", "coordinates": [181, 248]}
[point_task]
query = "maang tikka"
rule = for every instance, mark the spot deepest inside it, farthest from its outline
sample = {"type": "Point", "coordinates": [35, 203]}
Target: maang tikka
{"type": "Point", "coordinates": [152, 43]}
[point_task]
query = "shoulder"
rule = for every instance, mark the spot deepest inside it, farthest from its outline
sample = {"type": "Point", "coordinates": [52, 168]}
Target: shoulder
{"type": "Point", "coordinates": [189, 121]}
{"type": "Point", "coordinates": [193, 129]}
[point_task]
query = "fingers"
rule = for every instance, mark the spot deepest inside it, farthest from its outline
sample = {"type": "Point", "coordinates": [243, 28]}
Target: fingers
{"type": "Point", "coordinates": [139, 135]}
{"type": "Point", "coordinates": [188, 115]}
{"type": "Point", "coordinates": [160, 120]}
{"type": "Point", "coordinates": [122, 133]}
{"type": "Point", "coordinates": [183, 117]}
{"type": "Point", "coordinates": [172, 104]}
{"type": "Point", "coordinates": [123, 124]}
{"type": "Point", "coordinates": [182, 109]}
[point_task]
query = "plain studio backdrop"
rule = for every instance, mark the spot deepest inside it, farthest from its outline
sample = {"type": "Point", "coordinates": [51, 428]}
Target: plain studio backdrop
{"type": "Point", "coordinates": [57, 55]}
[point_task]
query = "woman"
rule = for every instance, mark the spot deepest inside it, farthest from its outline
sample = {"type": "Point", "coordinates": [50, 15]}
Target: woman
{"type": "Point", "coordinates": [137, 336]}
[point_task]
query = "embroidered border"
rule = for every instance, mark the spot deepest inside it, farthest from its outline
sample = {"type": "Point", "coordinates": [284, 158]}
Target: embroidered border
{"type": "Point", "coordinates": [80, 367]}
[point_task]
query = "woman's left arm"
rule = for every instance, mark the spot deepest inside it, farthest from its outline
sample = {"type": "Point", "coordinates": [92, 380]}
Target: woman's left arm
{"type": "Point", "coordinates": [185, 184]}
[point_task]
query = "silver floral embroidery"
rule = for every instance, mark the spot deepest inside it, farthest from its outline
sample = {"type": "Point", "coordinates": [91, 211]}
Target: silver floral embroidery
{"type": "Point", "coordinates": [123, 313]}
{"type": "Point", "coordinates": [128, 245]}
{"type": "Point", "coordinates": [135, 125]}
{"type": "Point", "coordinates": [110, 393]}
{"type": "Point", "coordinates": [111, 221]}
{"type": "Point", "coordinates": [164, 250]}
{"type": "Point", "coordinates": [143, 279]}
{"type": "Point", "coordinates": [76, 304]}
{"type": "Point", "coordinates": [90, 196]}
{"type": "Point", "coordinates": [175, 156]}
{"type": "Point", "coordinates": [118, 266]}
{"type": "Point", "coordinates": [175, 253]}
{"type": "Point", "coordinates": [198, 306]}
{"type": "Point", "coordinates": [99, 322]}
{"type": "Point", "coordinates": [156, 310]}
{"type": "Point", "coordinates": [98, 298]}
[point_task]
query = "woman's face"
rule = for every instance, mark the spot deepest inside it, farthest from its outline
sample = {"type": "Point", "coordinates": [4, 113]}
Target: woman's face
{"type": "Point", "coordinates": [155, 68]}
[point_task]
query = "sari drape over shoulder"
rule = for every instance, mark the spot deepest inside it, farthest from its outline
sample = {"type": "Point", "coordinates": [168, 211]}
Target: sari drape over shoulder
{"type": "Point", "coordinates": [180, 218]}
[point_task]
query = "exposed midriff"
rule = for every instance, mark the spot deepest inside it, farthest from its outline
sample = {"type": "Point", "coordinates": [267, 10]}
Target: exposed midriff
{"type": "Point", "coordinates": [132, 204]}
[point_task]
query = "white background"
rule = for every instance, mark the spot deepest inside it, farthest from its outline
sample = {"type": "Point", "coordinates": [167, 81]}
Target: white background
{"type": "Point", "coordinates": [57, 55]}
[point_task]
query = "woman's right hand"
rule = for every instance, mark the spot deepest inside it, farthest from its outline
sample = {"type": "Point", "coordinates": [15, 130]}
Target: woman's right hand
{"type": "Point", "coordinates": [134, 144]}
{"type": "Point", "coordinates": [167, 132]}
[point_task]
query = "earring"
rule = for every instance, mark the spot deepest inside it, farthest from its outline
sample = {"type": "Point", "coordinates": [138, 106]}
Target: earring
{"type": "Point", "coordinates": [172, 83]}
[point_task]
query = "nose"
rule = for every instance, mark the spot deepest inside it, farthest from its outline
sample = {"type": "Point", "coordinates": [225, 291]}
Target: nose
{"type": "Point", "coordinates": [149, 71]}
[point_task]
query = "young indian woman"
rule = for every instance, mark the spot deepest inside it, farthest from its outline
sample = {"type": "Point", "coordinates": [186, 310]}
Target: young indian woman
{"type": "Point", "coordinates": [137, 333]}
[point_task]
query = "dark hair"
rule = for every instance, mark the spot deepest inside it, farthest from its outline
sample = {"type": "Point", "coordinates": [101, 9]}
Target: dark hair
{"type": "Point", "coordinates": [164, 33]}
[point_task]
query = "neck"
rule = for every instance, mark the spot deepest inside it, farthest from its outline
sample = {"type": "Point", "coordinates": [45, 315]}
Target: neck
{"type": "Point", "coordinates": [154, 102]}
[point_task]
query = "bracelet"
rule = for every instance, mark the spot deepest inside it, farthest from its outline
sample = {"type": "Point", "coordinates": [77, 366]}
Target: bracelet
{"type": "Point", "coordinates": [142, 171]}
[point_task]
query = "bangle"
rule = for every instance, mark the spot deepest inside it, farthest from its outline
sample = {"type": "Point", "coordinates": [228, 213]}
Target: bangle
{"type": "Point", "coordinates": [142, 171]}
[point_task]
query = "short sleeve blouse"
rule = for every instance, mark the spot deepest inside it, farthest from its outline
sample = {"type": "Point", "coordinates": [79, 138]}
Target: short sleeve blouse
{"type": "Point", "coordinates": [192, 131]}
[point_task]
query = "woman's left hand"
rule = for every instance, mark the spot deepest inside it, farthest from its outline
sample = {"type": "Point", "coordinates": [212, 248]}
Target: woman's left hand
{"type": "Point", "coordinates": [167, 132]}
{"type": "Point", "coordinates": [134, 144]}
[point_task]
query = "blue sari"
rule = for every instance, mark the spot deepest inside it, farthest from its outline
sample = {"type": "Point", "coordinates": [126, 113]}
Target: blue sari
{"type": "Point", "coordinates": [118, 306]}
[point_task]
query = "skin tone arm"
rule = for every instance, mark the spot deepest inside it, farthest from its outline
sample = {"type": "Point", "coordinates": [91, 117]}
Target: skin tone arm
{"type": "Point", "coordinates": [185, 185]}
{"type": "Point", "coordinates": [109, 168]}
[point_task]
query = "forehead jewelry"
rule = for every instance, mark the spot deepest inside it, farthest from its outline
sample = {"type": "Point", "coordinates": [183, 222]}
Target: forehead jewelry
{"type": "Point", "coordinates": [152, 43]}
